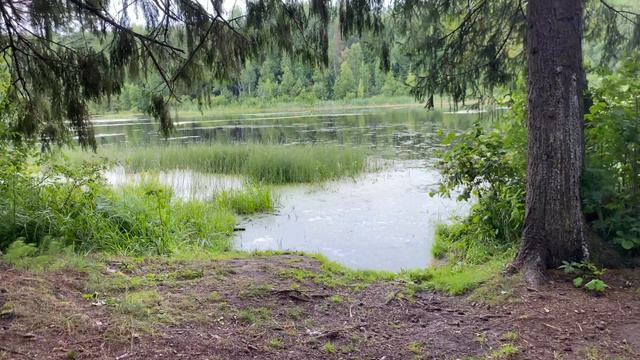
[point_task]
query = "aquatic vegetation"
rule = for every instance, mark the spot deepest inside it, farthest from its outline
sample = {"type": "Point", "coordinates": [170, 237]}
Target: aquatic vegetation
{"type": "Point", "coordinates": [270, 164]}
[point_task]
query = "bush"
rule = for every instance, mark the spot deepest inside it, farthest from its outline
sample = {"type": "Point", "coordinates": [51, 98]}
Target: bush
{"type": "Point", "coordinates": [611, 184]}
{"type": "Point", "coordinates": [489, 166]}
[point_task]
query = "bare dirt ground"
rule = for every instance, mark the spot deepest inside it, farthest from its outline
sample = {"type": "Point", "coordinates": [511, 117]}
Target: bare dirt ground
{"type": "Point", "coordinates": [283, 307]}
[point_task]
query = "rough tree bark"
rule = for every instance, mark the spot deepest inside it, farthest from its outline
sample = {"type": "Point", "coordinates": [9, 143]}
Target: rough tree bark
{"type": "Point", "coordinates": [554, 228]}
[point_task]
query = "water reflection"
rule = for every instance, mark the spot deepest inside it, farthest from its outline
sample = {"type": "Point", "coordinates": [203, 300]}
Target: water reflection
{"type": "Point", "coordinates": [410, 132]}
{"type": "Point", "coordinates": [382, 221]}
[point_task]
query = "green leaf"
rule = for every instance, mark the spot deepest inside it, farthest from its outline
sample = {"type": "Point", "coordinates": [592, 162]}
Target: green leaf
{"type": "Point", "coordinates": [596, 285]}
{"type": "Point", "coordinates": [577, 282]}
{"type": "Point", "coordinates": [627, 244]}
{"type": "Point", "coordinates": [449, 138]}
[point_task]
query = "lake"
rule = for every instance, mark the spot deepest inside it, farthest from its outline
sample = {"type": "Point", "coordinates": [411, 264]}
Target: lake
{"type": "Point", "coordinates": [382, 220]}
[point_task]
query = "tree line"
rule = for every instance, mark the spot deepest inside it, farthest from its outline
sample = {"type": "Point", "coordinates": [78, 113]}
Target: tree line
{"type": "Point", "coordinates": [353, 73]}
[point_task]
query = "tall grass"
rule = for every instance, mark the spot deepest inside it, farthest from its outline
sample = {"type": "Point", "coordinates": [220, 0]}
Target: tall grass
{"type": "Point", "coordinates": [73, 207]}
{"type": "Point", "coordinates": [271, 164]}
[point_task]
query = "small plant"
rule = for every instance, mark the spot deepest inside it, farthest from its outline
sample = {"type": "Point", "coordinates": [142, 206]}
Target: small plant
{"type": "Point", "coordinates": [587, 275]}
{"type": "Point", "coordinates": [511, 336]}
{"type": "Point", "coordinates": [336, 299]}
{"type": "Point", "coordinates": [328, 347]}
{"type": "Point", "coordinates": [415, 347]}
{"type": "Point", "coordinates": [506, 351]}
{"type": "Point", "coordinates": [215, 297]}
{"type": "Point", "coordinates": [275, 343]}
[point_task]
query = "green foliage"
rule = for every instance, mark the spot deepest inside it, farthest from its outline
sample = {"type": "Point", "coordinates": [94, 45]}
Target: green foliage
{"type": "Point", "coordinates": [52, 256]}
{"type": "Point", "coordinates": [456, 278]}
{"type": "Point", "coordinates": [328, 347]}
{"type": "Point", "coordinates": [487, 166]}
{"type": "Point", "coordinates": [50, 205]}
{"type": "Point", "coordinates": [244, 202]}
{"type": "Point", "coordinates": [611, 184]}
{"type": "Point", "coordinates": [587, 275]}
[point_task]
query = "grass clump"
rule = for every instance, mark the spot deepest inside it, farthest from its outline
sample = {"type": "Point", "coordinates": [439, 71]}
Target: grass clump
{"type": "Point", "coordinates": [247, 201]}
{"type": "Point", "coordinates": [51, 256]}
{"type": "Point", "coordinates": [276, 343]}
{"type": "Point", "coordinates": [139, 304]}
{"type": "Point", "coordinates": [271, 164]}
{"type": "Point", "coordinates": [328, 347]}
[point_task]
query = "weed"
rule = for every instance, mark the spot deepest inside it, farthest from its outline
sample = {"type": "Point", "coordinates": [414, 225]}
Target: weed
{"type": "Point", "coordinates": [255, 291]}
{"type": "Point", "coordinates": [295, 312]}
{"type": "Point", "coordinates": [215, 297]}
{"type": "Point", "coordinates": [254, 316]}
{"type": "Point", "coordinates": [187, 274]}
{"type": "Point", "coordinates": [415, 347]}
{"type": "Point", "coordinates": [511, 336]}
{"type": "Point", "coordinates": [336, 299]}
{"type": "Point", "coordinates": [247, 201]}
{"type": "Point", "coordinates": [587, 275]}
{"type": "Point", "coordinates": [496, 290]}
{"type": "Point", "coordinates": [328, 347]}
{"type": "Point", "coordinates": [456, 278]}
{"type": "Point", "coordinates": [275, 343]}
{"type": "Point", "coordinates": [506, 351]}
{"type": "Point", "coordinates": [139, 304]}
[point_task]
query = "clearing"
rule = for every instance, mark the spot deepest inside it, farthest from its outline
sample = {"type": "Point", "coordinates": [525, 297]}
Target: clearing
{"type": "Point", "coordinates": [291, 307]}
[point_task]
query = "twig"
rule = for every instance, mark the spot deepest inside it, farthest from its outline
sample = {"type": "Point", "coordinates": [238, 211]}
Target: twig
{"type": "Point", "coordinates": [552, 327]}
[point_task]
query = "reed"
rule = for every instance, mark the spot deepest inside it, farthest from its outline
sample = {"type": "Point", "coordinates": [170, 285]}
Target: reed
{"type": "Point", "coordinates": [268, 164]}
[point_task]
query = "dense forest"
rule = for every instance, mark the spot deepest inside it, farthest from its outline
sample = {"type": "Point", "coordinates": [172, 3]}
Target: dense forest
{"type": "Point", "coordinates": [354, 72]}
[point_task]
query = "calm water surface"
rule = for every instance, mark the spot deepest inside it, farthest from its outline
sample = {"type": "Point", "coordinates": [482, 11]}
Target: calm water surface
{"type": "Point", "coordinates": [383, 220]}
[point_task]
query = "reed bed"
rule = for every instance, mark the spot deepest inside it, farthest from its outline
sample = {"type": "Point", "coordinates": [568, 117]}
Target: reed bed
{"type": "Point", "coordinates": [268, 164]}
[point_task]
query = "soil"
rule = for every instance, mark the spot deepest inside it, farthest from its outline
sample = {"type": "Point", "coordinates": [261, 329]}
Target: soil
{"type": "Point", "coordinates": [264, 307]}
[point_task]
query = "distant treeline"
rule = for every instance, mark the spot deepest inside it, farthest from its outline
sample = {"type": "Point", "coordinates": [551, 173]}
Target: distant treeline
{"type": "Point", "coordinates": [354, 72]}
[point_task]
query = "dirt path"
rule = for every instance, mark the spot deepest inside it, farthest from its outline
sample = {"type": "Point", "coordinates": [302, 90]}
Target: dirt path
{"type": "Point", "coordinates": [286, 307]}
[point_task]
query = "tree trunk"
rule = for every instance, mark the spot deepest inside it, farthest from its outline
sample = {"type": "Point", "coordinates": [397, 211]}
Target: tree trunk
{"type": "Point", "coordinates": [554, 227]}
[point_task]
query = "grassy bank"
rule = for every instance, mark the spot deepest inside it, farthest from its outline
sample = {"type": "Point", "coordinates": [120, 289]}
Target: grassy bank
{"type": "Point", "coordinates": [57, 206]}
{"type": "Point", "coordinates": [250, 107]}
{"type": "Point", "coordinates": [270, 164]}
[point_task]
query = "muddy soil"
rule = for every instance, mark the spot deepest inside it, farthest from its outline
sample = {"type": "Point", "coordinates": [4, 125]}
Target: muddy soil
{"type": "Point", "coordinates": [281, 307]}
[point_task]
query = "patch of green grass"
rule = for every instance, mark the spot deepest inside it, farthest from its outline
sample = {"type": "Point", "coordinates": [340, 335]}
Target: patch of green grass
{"type": "Point", "coordinates": [255, 291]}
{"type": "Point", "coordinates": [215, 297]}
{"type": "Point", "coordinates": [497, 290]}
{"type": "Point", "coordinates": [415, 347]}
{"type": "Point", "coordinates": [455, 279]}
{"type": "Point", "coordinates": [336, 299]}
{"type": "Point", "coordinates": [328, 347]}
{"type": "Point", "coordinates": [511, 336]}
{"type": "Point", "coordinates": [270, 164]}
{"type": "Point", "coordinates": [247, 201]}
{"type": "Point", "coordinates": [52, 256]}
{"type": "Point", "coordinates": [506, 351]}
{"type": "Point", "coordinates": [254, 316]}
{"type": "Point", "coordinates": [295, 312]}
{"type": "Point", "coordinates": [186, 274]}
{"type": "Point", "coordinates": [275, 343]}
{"type": "Point", "coordinates": [139, 304]}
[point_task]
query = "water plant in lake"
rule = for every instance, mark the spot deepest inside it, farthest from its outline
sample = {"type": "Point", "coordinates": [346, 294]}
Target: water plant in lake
{"type": "Point", "coordinates": [271, 164]}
